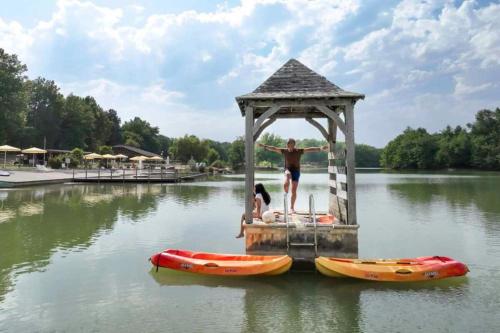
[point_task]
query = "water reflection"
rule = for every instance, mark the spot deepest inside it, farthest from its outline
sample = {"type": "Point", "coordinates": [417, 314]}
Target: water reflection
{"type": "Point", "coordinates": [34, 223]}
{"type": "Point", "coordinates": [458, 192]}
{"type": "Point", "coordinates": [305, 301]}
{"type": "Point", "coordinates": [192, 195]}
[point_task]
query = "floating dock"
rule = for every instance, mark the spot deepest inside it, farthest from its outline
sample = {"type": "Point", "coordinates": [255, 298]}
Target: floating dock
{"type": "Point", "coordinates": [23, 178]}
{"type": "Point", "coordinates": [301, 238]}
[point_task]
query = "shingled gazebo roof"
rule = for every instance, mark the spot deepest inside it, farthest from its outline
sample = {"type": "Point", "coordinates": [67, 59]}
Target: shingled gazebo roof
{"type": "Point", "coordinates": [294, 80]}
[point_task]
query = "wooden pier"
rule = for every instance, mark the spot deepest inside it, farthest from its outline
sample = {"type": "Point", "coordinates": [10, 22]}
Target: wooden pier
{"type": "Point", "coordinates": [135, 176]}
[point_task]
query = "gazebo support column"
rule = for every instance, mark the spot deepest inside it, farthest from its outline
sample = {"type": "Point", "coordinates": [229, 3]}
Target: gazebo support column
{"type": "Point", "coordinates": [350, 163]}
{"type": "Point", "coordinates": [249, 163]}
{"type": "Point", "coordinates": [337, 198]}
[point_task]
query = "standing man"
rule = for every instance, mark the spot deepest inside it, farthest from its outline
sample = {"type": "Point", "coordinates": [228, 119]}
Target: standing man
{"type": "Point", "coordinates": [292, 164]}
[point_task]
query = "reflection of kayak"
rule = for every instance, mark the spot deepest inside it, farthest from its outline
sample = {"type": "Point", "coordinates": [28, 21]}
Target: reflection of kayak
{"type": "Point", "coordinates": [415, 269]}
{"type": "Point", "coordinates": [221, 264]}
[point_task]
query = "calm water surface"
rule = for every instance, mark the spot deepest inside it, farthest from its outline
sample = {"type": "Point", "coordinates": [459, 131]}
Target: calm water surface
{"type": "Point", "coordinates": [74, 258]}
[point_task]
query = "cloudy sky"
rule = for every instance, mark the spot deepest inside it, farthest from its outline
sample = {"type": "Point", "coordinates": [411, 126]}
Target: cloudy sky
{"type": "Point", "coordinates": [179, 64]}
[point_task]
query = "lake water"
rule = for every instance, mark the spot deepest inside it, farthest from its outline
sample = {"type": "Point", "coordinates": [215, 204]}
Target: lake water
{"type": "Point", "coordinates": [74, 258]}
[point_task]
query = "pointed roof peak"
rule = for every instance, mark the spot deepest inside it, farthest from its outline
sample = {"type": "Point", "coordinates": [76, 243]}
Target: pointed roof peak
{"type": "Point", "coordinates": [295, 80]}
{"type": "Point", "coordinates": [294, 76]}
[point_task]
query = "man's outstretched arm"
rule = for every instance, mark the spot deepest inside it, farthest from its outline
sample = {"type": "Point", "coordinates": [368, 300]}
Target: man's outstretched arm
{"type": "Point", "coordinates": [316, 149]}
{"type": "Point", "coordinates": [269, 148]}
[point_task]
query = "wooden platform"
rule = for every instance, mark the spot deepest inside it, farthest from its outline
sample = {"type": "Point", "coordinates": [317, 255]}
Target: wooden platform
{"type": "Point", "coordinates": [333, 239]}
{"type": "Point", "coordinates": [146, 178]}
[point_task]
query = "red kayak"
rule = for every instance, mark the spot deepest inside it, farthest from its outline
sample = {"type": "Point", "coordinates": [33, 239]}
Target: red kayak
{"type": "Point", "coordinates": [221, 264]}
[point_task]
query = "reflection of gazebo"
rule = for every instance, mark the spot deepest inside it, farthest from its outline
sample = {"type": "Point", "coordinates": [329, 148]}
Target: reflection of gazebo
{"type": "Point", "coordinates": [295, 91]}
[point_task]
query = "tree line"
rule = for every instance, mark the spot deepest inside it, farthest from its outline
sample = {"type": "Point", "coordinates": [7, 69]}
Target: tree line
{"type": "Point", "coordinates": [36, 113]}
{"type": "Point", "coordinates": [366, 155]}
{"type": "Point", "coordinates": [477, 145]}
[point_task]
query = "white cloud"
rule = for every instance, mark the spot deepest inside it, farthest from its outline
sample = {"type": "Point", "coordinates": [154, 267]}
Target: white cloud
{"type": "Point", "coordinates": [14, 38]}
{"type": "Point", "coordinates": [179, 70]}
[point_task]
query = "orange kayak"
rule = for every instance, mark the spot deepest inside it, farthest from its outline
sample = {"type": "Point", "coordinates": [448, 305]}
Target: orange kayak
{"type": "Point", "coordinates": [404, 270]}
{"type": "Point", "coordinates": [221, 264]}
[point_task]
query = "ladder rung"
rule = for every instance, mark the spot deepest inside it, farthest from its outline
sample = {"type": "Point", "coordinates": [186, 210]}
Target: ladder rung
{"type": "Point", "coordinates": [302, 244]}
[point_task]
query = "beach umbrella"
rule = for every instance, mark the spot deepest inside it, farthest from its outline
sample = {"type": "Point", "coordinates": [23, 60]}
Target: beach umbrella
{"type": "Point", "coordinates": [155, 158]}
{"type": "Point", "coordinates": [34, 151]}
{"type": "Point", "coordinates": [92, 156]}
{"type": "Point", "coordinates": [121, 157]}
{"type": "Point", "coordinates": [138, 158]}
{"type": "Point", "coordinates": [5, 149]}
{"type": "Point", "coordinates": [108, 157]}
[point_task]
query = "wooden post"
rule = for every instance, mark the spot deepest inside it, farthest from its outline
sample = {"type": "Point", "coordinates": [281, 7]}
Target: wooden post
{"type": "Point", "coordinates": [333, 204]}
{"type": "Point", "coordinates": [249, 164]}
{"type": "Point", "coordinates": [350, 163]}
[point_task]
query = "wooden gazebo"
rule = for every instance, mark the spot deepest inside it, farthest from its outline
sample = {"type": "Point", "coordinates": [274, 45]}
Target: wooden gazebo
{"type": "Point", "coordinates": [295, 91]}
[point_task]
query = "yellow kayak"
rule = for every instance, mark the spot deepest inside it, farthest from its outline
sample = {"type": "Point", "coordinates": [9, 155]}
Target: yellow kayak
{"type": "Point", "coordinates": [413, 269]}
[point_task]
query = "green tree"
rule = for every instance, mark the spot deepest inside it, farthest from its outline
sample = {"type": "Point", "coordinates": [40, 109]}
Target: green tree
{"type": "Point", "coordinates": [222, 148]}
{"type": "Point", "coordinates": [13, 98]}
{"type": "Point", "coordinates": [164, 144]}
{"type": "Point", "coordinates": [101, 126]}
{"type": "Point", "coordinates": [485, 136]}
{"type": "Point", "coordinates": [212, 156]}
{"type": "Point", "coordinates": [132, 139]}
{"type": "Point", "coordinates": [77, 154]}
{"type": "Point", "coordinates": [77, 124]}
{"type": "Point", "coordinates": [367, 156]}
{"type": "Point", "coordinates": [316, 157]}
{"type": "Point", "coordinates": [45, 109]}
{"type": "Point", "coordinates": [145, 135]}
{"type": "Point", "coordinates": [189, 146]}
{"type": "Point", "coordinates": [414, 149]}
{"type": "Point", "coordinates": [237, 153]}
{"type": "Point", "coordinates": [454, 148]}
{"type": "Point", "coordinates": [115, 134]}
{"type": "Point", "coordinates": [272, 158]}
{"type": "Point", "coordinates": [104, 150]}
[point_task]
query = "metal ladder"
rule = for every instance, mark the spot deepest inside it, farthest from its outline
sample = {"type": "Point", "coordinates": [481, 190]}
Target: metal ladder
{"type": "Point", "coordinates": [312, 216]}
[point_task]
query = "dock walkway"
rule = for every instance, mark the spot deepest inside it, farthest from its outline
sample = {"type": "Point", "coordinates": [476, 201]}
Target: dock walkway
{"type": "Point", "coordinates": [19, 178]}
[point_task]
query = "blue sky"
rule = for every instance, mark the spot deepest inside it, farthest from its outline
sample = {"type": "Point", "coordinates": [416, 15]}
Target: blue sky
{"type": "Point", "coordinates": [179, 64]}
